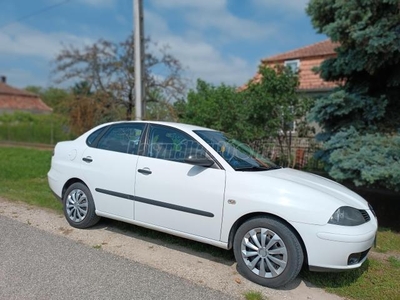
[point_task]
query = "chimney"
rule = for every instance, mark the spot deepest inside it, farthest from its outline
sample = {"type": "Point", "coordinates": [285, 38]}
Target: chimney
{"type": "Point", "coordinates": [3, 79]}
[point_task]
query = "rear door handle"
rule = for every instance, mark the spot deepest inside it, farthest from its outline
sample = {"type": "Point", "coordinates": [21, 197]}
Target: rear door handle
{"type": "Point", "coordinates": [87, 159]}
{"type": "Point", "coordinates": [145, 171]}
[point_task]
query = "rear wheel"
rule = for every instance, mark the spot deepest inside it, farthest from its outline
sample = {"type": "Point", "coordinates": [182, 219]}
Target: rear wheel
{"type": "Point", "coordinates": [267, 252]}
{"type": "Point", "coordinates": [79, 209]}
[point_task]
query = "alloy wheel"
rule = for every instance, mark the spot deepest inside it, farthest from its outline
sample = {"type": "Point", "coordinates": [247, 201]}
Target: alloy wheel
{"type": "Point", "coordinates": [77, 205]}
{"type": "Point", "coordinates": [264, 252]}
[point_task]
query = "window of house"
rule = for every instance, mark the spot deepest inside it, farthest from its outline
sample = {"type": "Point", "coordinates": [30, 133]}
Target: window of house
{"type": "Point", "coordinates": [294, 65]}
{"type": "Point", "coordinates": [124, 138]}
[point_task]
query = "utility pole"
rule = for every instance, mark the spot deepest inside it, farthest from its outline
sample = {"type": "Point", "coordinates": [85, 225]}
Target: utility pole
{"type": "Point", "coordinates": [139, 59]}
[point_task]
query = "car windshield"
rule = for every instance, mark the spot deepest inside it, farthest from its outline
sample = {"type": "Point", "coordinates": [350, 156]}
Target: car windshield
{"type": "Point", "coordinates": [237, 154]}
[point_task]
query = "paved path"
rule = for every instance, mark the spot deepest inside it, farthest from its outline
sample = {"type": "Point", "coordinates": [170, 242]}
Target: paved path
{"type": "Point", "coordinates": [35, 264]}
{"type": "Point", "coordinates": [29, 263]}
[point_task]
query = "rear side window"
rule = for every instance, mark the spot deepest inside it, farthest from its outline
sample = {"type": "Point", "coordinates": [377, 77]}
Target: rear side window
{"type": "Point", "coordinates": [93, 137]}
{"type": "Point", "coordinates": [124, 138]}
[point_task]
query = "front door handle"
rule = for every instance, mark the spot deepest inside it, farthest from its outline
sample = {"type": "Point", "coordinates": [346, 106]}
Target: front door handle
{"type": "Point", "coordinates": [87, 159]}
{"type": "Point", "coordinates": [145, 171]}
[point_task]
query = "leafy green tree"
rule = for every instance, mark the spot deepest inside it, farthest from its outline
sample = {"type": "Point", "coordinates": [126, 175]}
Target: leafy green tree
{"type": "Point", "coordinates": [218, 107]}
{"type": "Point", "coordinates": [275, 107]}
{"type": "Point", "coordinates": [366, 107]}
{"type": "Point", "coordinates": [90, 108]}
{"type": "Point", "coordinates": [56, 98]}
{"type": "Point", "coordinates": [158, 108]}
{"type": "Point", "coordinates": [365, 158]}
{"type": "Point", "coordinates": [265, 109]}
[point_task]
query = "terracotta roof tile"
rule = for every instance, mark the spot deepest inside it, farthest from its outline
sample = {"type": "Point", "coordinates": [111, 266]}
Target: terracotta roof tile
{"type": "Point", "coordinates": [9, 90]}
{"type": "Point", "coordinates": [12, 99]}
{"type": "Point", "coordinates": [323, 48]}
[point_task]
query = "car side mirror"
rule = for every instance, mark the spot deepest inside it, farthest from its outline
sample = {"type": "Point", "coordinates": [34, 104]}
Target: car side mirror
{"type": "Point", "coordinates": [201, 161]}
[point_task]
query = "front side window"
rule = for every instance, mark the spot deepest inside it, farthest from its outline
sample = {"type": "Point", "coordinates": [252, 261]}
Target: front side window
{"type": "Point", "coordinates": [237, 154]}
{"type": "Point", "coordinates": [124, 138]}
{"type": "Point", "coordinates": [172, 144]}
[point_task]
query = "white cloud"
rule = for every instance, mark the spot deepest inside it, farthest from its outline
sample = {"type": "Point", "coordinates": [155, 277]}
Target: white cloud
{"type": "Point", "coordinates": [24, 41]}
{"type": "Point", "coordinates": [195, 50]}
{"type": "Point", "coordinates": [99, 3]}
{"type": "Point", "coordinates": [154, 24]}
{"type": "Point", "coordinates": [92, 3]}
{"type": "Point", "coordinates": [230, 25]}
{"type": "Point", "coordinates": [206, 62]}
{"type": "Point", "coordinates": [197, 4]}
{"type": "Point", "coordinates": [214, 15]}
{"type": "Point", "coordinates": [21, 78]}
{"type": "Point", "coordinates": [289, 6]}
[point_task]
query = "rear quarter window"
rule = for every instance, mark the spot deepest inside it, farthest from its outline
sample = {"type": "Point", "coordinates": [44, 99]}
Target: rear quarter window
{"type": "Point", "coordinates": [90, 141]}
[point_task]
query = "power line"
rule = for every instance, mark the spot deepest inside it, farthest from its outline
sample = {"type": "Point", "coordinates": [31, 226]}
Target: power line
{"type": "Point", "coordinates": [38, 12]}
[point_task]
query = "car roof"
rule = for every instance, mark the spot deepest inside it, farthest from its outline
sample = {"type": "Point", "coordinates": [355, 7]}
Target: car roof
{"type": "Point", "coordinates": [182, 126]}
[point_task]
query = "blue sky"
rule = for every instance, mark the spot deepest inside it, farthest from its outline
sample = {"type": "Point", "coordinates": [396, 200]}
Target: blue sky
{"type": "Point", "coordinates": [215, 40]}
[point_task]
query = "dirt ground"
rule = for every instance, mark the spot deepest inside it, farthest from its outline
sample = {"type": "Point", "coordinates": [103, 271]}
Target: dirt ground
{"type": "Point", "coordinates": [197, 267]}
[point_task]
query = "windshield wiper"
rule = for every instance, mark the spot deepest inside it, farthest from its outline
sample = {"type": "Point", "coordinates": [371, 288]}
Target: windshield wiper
{"type": "Point", "coordinates": [252, 168]}
{"type": "Point", "coordinates": [257, 168]}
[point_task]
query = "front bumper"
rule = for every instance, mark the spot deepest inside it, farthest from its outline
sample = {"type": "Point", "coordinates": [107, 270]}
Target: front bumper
{"type": "Point", "coordinates": [333, 247]}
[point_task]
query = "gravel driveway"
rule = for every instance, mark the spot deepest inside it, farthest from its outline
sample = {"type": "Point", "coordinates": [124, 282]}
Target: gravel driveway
{"type": "Point", "coordinates": [197, 270]}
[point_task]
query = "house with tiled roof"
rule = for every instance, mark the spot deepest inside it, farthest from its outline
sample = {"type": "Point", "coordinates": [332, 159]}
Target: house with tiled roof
{"type": "Point", "coordinates": [13, 99]}
{"type": "Point", "coordinates": [304, 60]}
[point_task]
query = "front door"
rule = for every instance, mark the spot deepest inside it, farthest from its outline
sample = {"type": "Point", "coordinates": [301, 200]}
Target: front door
{"type": "Point", "coordinates": [173, 194]}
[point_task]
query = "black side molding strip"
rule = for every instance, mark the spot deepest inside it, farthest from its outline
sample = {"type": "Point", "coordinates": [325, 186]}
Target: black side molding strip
{"type": "Point", "coordinates": [157, 203]}
{"type": "Point", "coordinates": [116, 194]}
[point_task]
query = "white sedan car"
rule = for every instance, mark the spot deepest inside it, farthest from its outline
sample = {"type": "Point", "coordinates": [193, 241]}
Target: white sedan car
{"type": "Point", "coordinates": [200, 184]}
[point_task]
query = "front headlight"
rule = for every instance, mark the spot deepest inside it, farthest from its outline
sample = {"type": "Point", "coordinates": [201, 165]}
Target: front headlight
{"type": "Point", "coordinates": [347, 216]}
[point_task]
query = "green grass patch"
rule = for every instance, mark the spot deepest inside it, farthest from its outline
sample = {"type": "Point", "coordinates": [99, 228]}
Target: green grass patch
{"type": "Point", "coordinates": [394, 262]}
{"type": "Point", "coordinates": [376, 279]}
{"type": "Point", "coordinates": [23, 176]}
{"type": "Point", "coordinates": [26, 127]}
{"type": "Point", "coordinates": [387, 241]}
{"type": "Point", "coordinates": [253, 295]}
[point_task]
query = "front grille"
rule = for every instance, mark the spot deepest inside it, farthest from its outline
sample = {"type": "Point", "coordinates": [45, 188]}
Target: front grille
{"type": "Point", "coordinates": [366, 216]}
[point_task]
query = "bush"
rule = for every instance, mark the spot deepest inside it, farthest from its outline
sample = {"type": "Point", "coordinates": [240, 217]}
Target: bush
{"type": "Point", "coordinates": [365, 159]}
{"type": "Point", "coordinates": [26, 127]}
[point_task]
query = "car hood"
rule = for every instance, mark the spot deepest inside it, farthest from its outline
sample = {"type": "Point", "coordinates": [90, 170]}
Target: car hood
{"type": "Point", "coordinates": [293, 195]}
{"type": "Point", "coordinates": [318, 183]}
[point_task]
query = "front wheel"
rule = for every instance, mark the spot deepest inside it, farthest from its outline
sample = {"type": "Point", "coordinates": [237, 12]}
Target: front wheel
{"type": "Point", "coordinates": [267, 252]}
{"type": "Point", "coordinates": [78, 204]}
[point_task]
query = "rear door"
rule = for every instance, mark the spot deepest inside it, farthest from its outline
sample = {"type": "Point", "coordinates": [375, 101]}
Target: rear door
{"type": "Point", "coordinates": [109, 168]}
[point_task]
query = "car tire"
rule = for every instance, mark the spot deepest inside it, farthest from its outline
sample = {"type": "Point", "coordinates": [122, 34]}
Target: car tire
{"type": "Point", "coordinates": [267, 252]}
{"type": "Point", "coordinates": [78, 206]}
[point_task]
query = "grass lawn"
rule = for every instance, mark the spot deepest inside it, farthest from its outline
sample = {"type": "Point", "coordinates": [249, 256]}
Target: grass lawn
{"type": "Point", "coordinates": [23, 177]}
